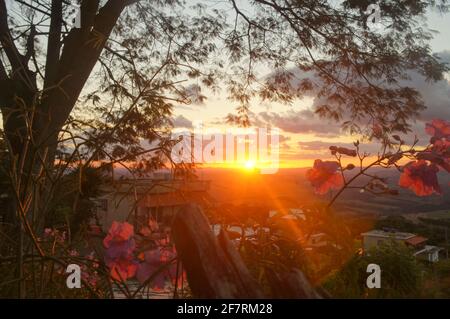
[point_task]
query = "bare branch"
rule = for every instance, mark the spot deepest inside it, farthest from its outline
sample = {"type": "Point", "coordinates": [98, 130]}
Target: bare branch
{"type": "Point", "coordinates": [14, 57]}
{"type": "Point", "coordinates": [53, 44]}
{"type": "Point", "coordinates": [30, 45]}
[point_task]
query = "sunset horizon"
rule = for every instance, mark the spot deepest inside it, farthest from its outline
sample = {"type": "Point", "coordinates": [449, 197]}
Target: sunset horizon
{"type": "Point", "coordinates": [228, 156]}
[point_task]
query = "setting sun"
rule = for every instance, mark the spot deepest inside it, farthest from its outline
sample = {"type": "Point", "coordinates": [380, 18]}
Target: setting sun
{"type": "Point", "coordinates": [254, 150]}
{"type": "Point", "coordinates": [250, 165]}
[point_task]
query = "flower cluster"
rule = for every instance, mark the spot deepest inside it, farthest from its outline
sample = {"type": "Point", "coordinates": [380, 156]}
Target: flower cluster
{"type": "Point", "coordinates": [325, 176]}
{"type": "Point", "coordinates": [419, 175]}
{"type": "Point", "coordinates": [125, 262]}
{"type": "Point", "coordinates": [56, 240]}
{"type": "Point", "coordinates": [55, 235]}
{"type": "Point", "coordinates": [120, 246]}
{"type": "Point", "coordinates": [151, 264]}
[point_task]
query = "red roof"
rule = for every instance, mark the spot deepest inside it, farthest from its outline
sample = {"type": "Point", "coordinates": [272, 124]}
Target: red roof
{"type": "Point", "coordinates": [416, 240]}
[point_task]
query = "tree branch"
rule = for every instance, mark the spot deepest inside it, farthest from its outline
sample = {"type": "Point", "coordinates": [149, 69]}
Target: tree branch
{"type": "Point", "coordinates": [88, 12]}
{"type": "Point", "coordinates": [14, 57]}
{"type": "Point", "coordinates": [3, 74]}
{"type": "Point", "coordinates": [80, 53]}
{"type": "Point", "coordinates": [30, 45]}
{"type": "Point", "coordinates": [53, 44]}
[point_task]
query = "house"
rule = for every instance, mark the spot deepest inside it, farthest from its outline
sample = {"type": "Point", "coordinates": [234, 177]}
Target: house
{"type": "Point", "coordinates": [429, 253]}
{"type": "Point", "coordinates": [377, 237]}
{"type": "Point", "coordinates": [139, 200]}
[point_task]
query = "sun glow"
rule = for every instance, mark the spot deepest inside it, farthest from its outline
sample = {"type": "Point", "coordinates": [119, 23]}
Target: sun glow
{"type": "Point", "coordinates": [250, 165]}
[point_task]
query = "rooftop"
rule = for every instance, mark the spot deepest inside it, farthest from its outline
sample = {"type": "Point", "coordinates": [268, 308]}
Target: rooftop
{"type": "Point", "coordinates": [416, 240]}
{"type": "Point", "coordinates": [389, 234]}
{"type": "Point", "coordinates": [155, 186]}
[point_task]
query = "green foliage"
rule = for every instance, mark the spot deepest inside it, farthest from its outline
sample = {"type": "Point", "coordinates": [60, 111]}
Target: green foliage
{"type": "Point", "coordinates": [443, 268]}
{"type": "Point", "coordinates": [400, 274]}
{"type": "Point", "coordinates": [350, 281]}
{"type": "Point", "coordinates": [433, 229]}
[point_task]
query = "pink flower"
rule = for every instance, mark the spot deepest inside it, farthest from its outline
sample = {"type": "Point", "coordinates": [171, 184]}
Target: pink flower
{"type": "Point", "coordinates": [421, 178]}
{"type": "Point", "coordinates": [119, 232]}
{"type": "Point", "coordinates": [438, 129]}
{"type": "Point", "coordinates": [122, 268]}
{"type": "Point", "coordinates": [438, 153]}
{"type": "Point", "coordinates": [48, 232]}
{"type": "Point", "coordinates": [324, 176]}
{"type": "Point", "coordinates": [120, 246]}
{"type": "Point", "coordinates": [153, 260]}
{"type": "Point", "coordinates": [442, 147]}
{"type": "Point", "coordinates": [122, 249]}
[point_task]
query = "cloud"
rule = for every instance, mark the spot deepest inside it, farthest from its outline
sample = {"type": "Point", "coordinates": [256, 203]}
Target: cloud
{"type": "Point", "coordinates": [303, 121]}
{"type": "Point", "coordinates": [444, 56]}
{"type": "Point", "coordinates": [435, 95]}
{"type": "Point", "coordinates": [323, 147]}
{"type": "Point", "coordinates": [181, 121]}
{"type": "Point", "coordinates": [283, 138]}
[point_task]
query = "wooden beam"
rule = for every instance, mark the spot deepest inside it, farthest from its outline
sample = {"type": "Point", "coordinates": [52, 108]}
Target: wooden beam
{"type": "Point", "coordinates": [214, 268]}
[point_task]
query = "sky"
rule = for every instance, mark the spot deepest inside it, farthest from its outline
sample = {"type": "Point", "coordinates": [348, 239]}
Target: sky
{"type": "Point", "coordinates": [304, 136]}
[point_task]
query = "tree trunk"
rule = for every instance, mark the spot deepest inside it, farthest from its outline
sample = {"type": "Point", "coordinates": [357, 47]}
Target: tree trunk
{"type": "Point", "coordinates": [33, 118]}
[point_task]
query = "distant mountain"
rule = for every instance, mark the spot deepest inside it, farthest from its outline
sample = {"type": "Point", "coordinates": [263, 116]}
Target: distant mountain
{"type": "Point", "coordinates": [289, 188]}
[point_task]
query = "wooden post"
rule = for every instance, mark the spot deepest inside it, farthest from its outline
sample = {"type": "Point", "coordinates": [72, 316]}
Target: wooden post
{"type": "Point", "coordinates": [215, 268]}
{"type": "Point", "coordinates": [291, 285]}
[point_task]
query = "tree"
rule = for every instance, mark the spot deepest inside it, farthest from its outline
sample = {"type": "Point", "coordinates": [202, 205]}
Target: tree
{"type": "Point", "coordinates": [139, 48]}
{"type": "Point", "coordinates": [400, 274]}
{"type": "Point", "coordinates": [95, 92]}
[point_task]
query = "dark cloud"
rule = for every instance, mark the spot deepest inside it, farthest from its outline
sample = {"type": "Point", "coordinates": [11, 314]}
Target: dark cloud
{"type": "Point", "coordinates": [435, 95]}
{"type": "Point", "coordinates": [181, 121]}
{"type": "Point", "coordinates": [283, 138]}
{"type": "Point", "coordinates": [444, 56]}
{"type": "Point", "coordinates": [323, 147]}
{"type": "Point", "coordinates": [303, 121]}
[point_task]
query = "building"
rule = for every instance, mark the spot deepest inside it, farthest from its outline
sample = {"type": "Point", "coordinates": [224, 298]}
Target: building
{"type": "Point", "coordinates": [158, 198]}
{"type": "Point", "coordinates": [377, 237]}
